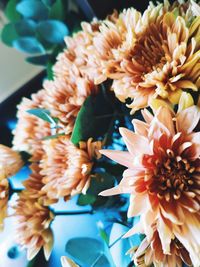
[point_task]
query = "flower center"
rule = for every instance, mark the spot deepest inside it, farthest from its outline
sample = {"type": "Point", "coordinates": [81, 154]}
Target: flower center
{"type": "Point", "coordinates": [172, 178]}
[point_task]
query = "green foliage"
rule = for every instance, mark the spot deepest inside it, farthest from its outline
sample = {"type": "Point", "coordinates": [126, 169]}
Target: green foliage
{"type": "Point", "coordinates": [11, 13]}
{"type": "Point", "coordinates": [86, 199]}
{"type": "Point", "coordinates": [59, 10]}
{"type": "Point", "coordinates": [44, 21]}
{"type": "Point", "coordinates": [38, 60]}
{"type": "Point", "coordinates": [87, 252]}
{"type": "Point", "coordinates": [34, 9]}
{"type": "Point", "coordinates": [28, 45]}
{"type": "Point", "coordinates": [43, 114]}
{"type": "Point", "coordinates": [93, 119]}
{"type": "Point", "coordinates": [52, 31]}
{"type": "Point", "coordinates": [9, 34]}
{"type": "Point", "coordinates": [99, 182]}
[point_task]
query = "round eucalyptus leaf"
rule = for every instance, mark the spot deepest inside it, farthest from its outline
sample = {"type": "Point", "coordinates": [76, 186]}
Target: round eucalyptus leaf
{"type": "Point", "coordinates": [38, 60]}
{"type": "Point", "coordinates": [26, 27]}
{"type": "Point", "coordinates": [48, 3]}
{"type": "Point", "coordinates": [33, 9]}
{"type": "Point", "coordinates": [87, 251]}
{"type": "Point", "coordinates": [28, 45]}
{"type": "Point", "coordinates": [11, 12]}
{"type": "Point", "coordinates": [9, 34]}
{"type": "Point", "coordinates": [53, 31]}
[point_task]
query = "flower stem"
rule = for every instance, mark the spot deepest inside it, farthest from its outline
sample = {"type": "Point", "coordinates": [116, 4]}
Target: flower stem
{"type": "Point", "coordinates": [63, 213]}
{"type": "Point", "coordinates": [118, 239]}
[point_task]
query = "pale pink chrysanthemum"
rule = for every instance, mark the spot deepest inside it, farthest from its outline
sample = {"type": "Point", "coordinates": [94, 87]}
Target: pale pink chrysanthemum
{"type": "Point", "coordinates": [33, 217]}
{"type": "Point", "coordinates": [67, 168]}
{"type": "Point", "coordinates": [10, 163]}
{"type": "Point", "coordinates": [30, 129]}
{"type": "Point", "coordinates": [150, 252]}
{"type": "Point", "coordinates": [67, 262]}
{"type": "Point", "coordinates": [163, 176]}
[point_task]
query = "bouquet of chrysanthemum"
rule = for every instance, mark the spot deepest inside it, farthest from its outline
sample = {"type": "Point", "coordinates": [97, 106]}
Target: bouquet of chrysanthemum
{"type": "Point", "coordinates": [132, 75]}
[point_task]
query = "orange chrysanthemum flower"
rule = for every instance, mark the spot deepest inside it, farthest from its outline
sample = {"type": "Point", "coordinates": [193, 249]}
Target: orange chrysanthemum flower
{"type": "Point", "coordinates": [10, 163]}
{"type": "Point", "coordinates": [31, 130]}
{"type": "Point", "coordinates": [67, 168]}
{"type": "Point", "coordinates": [163, 176]}
{"type": "Point", "coordinates": [154, 55]}
{"type": "Point", "coordinates": [33, 217]}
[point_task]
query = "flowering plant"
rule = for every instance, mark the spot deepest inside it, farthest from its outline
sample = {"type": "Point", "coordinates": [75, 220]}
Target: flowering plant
{"type": "Point", "coordinates": [126, 87]}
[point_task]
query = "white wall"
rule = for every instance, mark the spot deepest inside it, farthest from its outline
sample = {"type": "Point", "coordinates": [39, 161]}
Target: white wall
{"type": "Point", "coordinates": [14, 70]}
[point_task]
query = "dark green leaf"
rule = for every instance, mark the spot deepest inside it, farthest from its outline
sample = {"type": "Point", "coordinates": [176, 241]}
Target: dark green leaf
{"type": "Point", "coordinates": [87, 252]}
{"type": "Point", "coordinates": [53, 31]}
{"type": "Point", "coordinates": [42, 114]}
{"type": "Point", "coordinates": [59, 10]}
{"type": "Point", "coordinates": [100, 182]}
{"type": "Point", "coordinates": [93, 119]}
{"type": "Point", "coordinates": [48, 3]}
{"type": "Point", "coordinates": [104, 235]}
{"type": "Point", "coordinates": [11, 12]}
{"type": "Point", "coordinates": [50, 75]}
{"type": "Point", "coordinates": [38, 60]}
{"type": "Point", "coordinates": [9, 34]}
{"type": "Point", "coordinates": [84, 125]}
{"type": "Point", "coordinates": [28, 45]}
{"type": "Point", "coordinates": [33, 9]}
{"type": "Point", "coordinates": [25, 27]}
{"type": "Point", "coordinates": [86, 199]}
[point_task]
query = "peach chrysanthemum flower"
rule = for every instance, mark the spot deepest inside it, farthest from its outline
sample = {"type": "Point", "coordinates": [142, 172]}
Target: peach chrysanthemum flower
{"type": "Point", "coordinates": [33, 218]}
{"type": "Point", "coordinates": [10, 163]}
{"type": "Point", "coordinates": [67, 168]}
{"type": "Point", "coordinates": [163, 176]}
{"type": "Point", "coordinates": [64, 98]}
{"type": "Point", "coordinates": [156, 55]}
{"type": "Point", "coordinates": [150, 252]}
{"type": "Point", "coordinates": [30, 130]}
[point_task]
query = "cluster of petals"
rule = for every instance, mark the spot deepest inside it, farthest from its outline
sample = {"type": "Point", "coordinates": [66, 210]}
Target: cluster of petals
{"type": "Point", "coordinates": [10, 163]}
{"type": "Point", "coordinates": [66, 168]}
{"type": "Point", "coordinates": [163, 179]}
{"type": "Point", "coordinates": [150, 55]}
{"type": "Point", "coordinates": [33, 217]}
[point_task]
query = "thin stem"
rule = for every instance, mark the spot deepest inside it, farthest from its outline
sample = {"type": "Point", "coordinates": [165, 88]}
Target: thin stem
{"type": "Point", "coordinates": [118, 239]}
{"type": "Point", "coordinates": [63, 213]}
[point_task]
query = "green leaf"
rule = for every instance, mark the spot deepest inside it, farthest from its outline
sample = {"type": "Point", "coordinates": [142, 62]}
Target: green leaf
{"type": "Point", "coordinates": [50, 74]}
{"type": "Point", "coordinates": [25, 27]}
{"type": "Point", "coordinates": [52, 31]}
{"type": "Point", "coordinates": [103, 235]}
{"type": "Point", "coordinates": [33, 9]}
{"type": "Point", "coordinates": [42, 114]}
{"type": "Point", "coordinates": [11, 12]}
{"type": "Point", "coordinates": [85, 199]}
{"type": "Point", "coordinates": [93, 119]}
{"type": "Point", "coordinates": [59, 10]}
{"type": "Point", "coordinates": [100, 182]}
{"type": "Point", "coordinates": [83, 128]}
{"type": "Point", "coordinates": [28, 45]}
{"type": "Point", "coordinates": [38, 60]}
{"type": "Point", "coordinates": [87, 252]}
{"type": "Point", "coordinates": [9, 34]}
